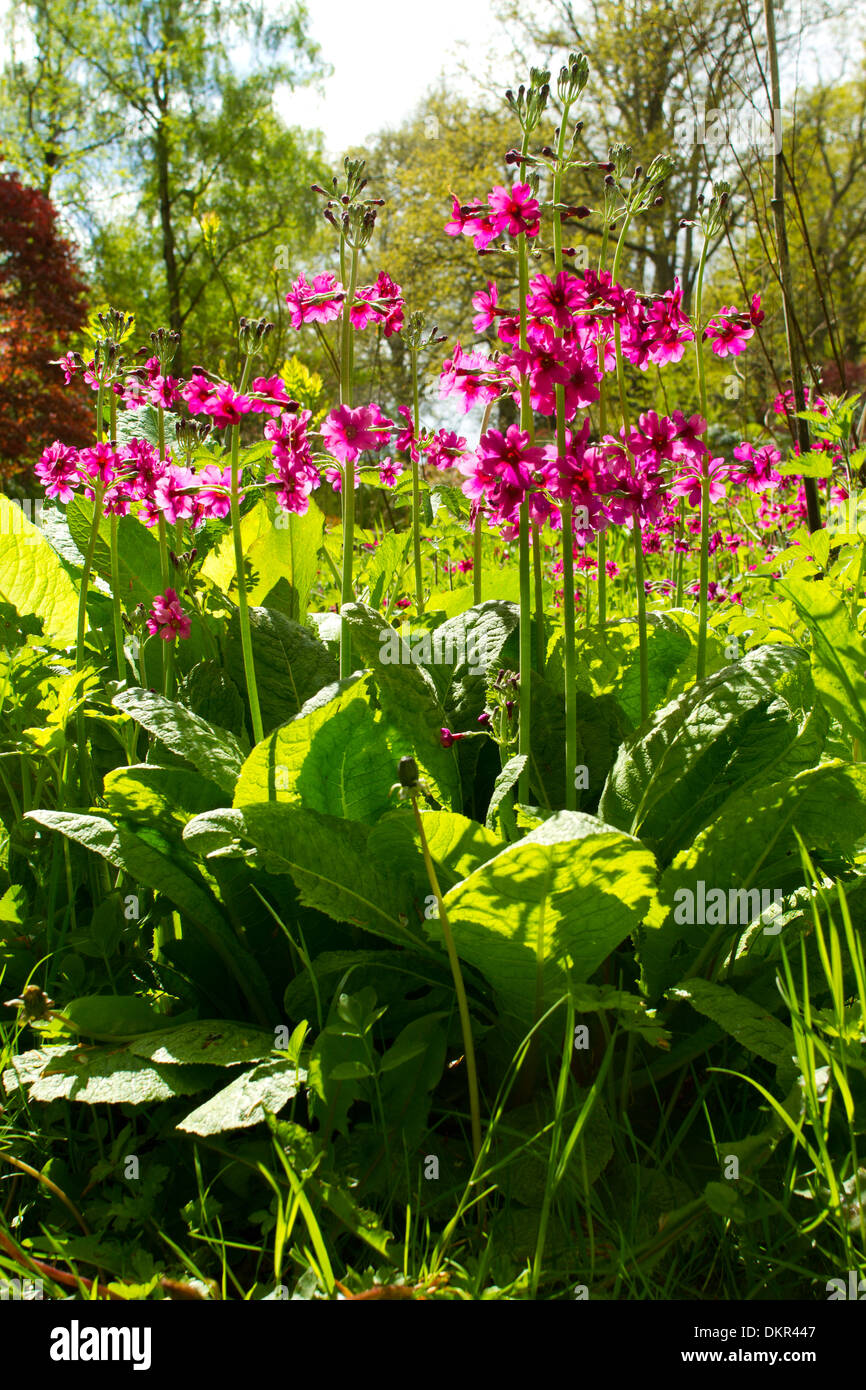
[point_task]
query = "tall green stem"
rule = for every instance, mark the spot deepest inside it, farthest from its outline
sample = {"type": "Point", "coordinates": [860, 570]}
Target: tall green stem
{"type": "Point", "coordinates": [120, 658]}
{"type": "Point", "coordinates": [477, 543]}
{"type": "Point", "coordinates": [705, 471]}
{"type": "Point", "coordinates": [243, 604]}
{"type": "Point", "coordinates": [460, 988]}
{"type": "Point", "coordinates": [567, 510]}
{"type": "Point", "coordinates": [346, 591]}
{"type": "Point", "coordinates": [636, 531]}
{"type": "Point", "coordinates": [602, 429]}
{"type": "Point", "coordinates": [524, 743]}
{"type": "Point", "coordinates": [416, 493]}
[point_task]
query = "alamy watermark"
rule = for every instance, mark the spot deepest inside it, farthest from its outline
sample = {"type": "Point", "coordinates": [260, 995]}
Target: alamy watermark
{"type": "Point", "coordinates": [740, 127]}
{"type": "Point", "coordinates": [423, 648]}
{"type": "Point", "coordinates": [737, 908]}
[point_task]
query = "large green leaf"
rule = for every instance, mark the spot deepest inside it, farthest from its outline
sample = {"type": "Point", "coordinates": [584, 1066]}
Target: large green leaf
{"type": "Point", "coordinates": [291, 663]}
{"type": "Point", "coordinates": [608, 659]}
{"type": "Point", "coordinates": [550, 908]}
{"type": "Point", "coordinates": [215, 752]}
{"type": "Point", "coordinates": [281, 557]}
{"type": "Point", "coordinates": [751, 846]}
{"type": "Point", "coordinates": [457, 846]}
{"type": "Point", "coordinates": [408, 699]}
{"type": "Point", "coordinates": [742, 1018]}
{"type": "Point", "coordinates": [165, 797]}
{"type": "Point", "coordinates": [32, 577]}
{"type": "Point", "coordinates": [217, 1042]}
{"type": "Point", "coordinates": [747, 722]}
{"type": "Point", "coordinates": [838, 649]}
{"type": "Point", "coordinates": [333, 869]}
{"type": "Point", "coordinates": [137, 551]}
{"type": "Point", "coordinates": [244, 1101]}
{"type": "Point", "coordinates": [466, 652]}
{"type": "Point", "coordinates": [339, 756]}
{"type": "Point", "coordinates": [109, 1077]}
{"type": "Point", "coordinates": [165, 868]}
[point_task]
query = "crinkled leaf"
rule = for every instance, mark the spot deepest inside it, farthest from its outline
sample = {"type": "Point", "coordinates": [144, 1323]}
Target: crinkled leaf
{"type": "Point", "coordinates": [551, 908]}
{"type": "Point", "coordinates": [214, 752]}
{"type": "Point", "coordinates": [244, 1101]}
{"type": "Point", "coordinates": [742, 1018]}
{"type": "Point", "coordinates": [32, 577]}
{"type": "Point", "coordinates": [731, 730]}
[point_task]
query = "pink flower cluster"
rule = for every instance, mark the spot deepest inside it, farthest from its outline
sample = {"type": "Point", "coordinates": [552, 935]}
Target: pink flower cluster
{"type": "Point", "coordinates": [509, 211]}
{"type": "Point", "coordinates": [323, 301]}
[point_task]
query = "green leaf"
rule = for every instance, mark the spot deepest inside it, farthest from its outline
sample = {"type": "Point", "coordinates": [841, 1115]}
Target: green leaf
{"type": "Point", "coordinates": [744, 722]}
{"type": "Point", "coordinates": [608, 660]}
{"type": "Point", "coordinates": [751, 846]}
{"type": "Point", "coordinates": [741, 1018]}
{"type": "Point", "coordinates": [410, 706]}
{"type": "Point", "coordinates": [505, 782]}
{"type": "Point", "coordinates": [457, 846]}
{"type": "Point", "coordinates": [210, 692]}
{"type": "Point", "coordinates": [838, 650]}
{"type": "Point", "coordinates": [550, 909]}
{"type": "Point", "coordinates": [339, 756]}
{"type": "Point", "coordinates": [466, 651]}
{"type": "Point", "coordinates": [214, 752]}
{"type": "Point", "coordinates": [137, 551]}
{"type": "Point", "coordinates": [291, 664]}
{"type": "Point", "coordinates": [108, 1077]}
{"type": "Point", "coordinates": [244, 1101]}
{"type": "Point", "coordinates": [213, 1041]}
{"type": "Point", "coordinates": [332, 868]}
{"type": "Point", "coordinates": [110, 1015]}
{"type": "Point", "coordinates": [33, 579]}
{"type": "Point", "coordinates": [281, 554]}
{"type": "Point", "coordinates": [146, 858]}
{"type": "Point", "coordinates": [162, 797]}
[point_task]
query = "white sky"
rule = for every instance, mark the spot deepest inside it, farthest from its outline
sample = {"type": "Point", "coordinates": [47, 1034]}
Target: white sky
{"type": "Point", "coordinates": [385, 54]}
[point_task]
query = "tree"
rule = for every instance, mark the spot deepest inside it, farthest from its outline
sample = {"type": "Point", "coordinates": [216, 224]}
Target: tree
{"type": "Point", "coordinates": [195, 177]}
{"type": "Point", "coordinates": [41, 304]}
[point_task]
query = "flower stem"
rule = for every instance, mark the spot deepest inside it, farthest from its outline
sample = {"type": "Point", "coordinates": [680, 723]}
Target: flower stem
{"type": "Point", "coordinates": [115, 562]}
{"type": "Point", "coordinates": [460, 988]}
{"type": "Point", "coordinates": [167, 647]}
{"type": "Point", "coordinates": [636, 531]}
{"type": "Point", "coordinates": [524, 744]}
{"type": "Point", "coordinates": [641, 620]}
{"type": "Point", "coordinates": [567, 531]}
{"type": "Point", "coordinates": [243, 605]}
{"type": "Point", "coordinates": [477, 541]}
{"type": "Point", "coordinates": [705, 472]}
{"type": "Point", "coordinates": [346, 590]}
{"type": "Point", "coordinates": [416, 492]}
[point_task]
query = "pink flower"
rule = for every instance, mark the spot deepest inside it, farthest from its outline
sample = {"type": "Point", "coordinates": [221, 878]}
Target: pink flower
{"type": "Point", "coordinates": [58, 470]}
{"type": "Point", "coordinates": [445, 449]}
{"type": "Point", "coordinates": [485, 302]}
{"type": "Point", "coordinates": [99, 463]}
{"type": "Point", "coordinates": [272, 387]}
{"type": "Point", "coordinates": [347, 433]}
{"type": "Point", "coordinates": [689, 484]}
{"type": "Point", "coordinates": [379, 303]}
{"type": "Point", "coordinates": [390, 470]}
{"type": "Point", "coordinates": [212, 498]}
{"type": "Point", "coordinates": [197, 393]}
{"type": "Point", "coordinates": [667, 328]}
{"type": "Point", "coordinates": [729, 332]}
{"type": "Point", "coordinates": [225, 407]}
{"type": "Point", "coordinates": [69, 365]}
{"type": "Point", "coordinates": [317, 303]}
{"type": "Point", "coordinates": [173, 493]}
{"type": "Point", "coordinates": [514, 209]}
{"type": "Point", "coordinates": [758, 471]}
{"type": "Point", "coordinates": [167, 618]}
